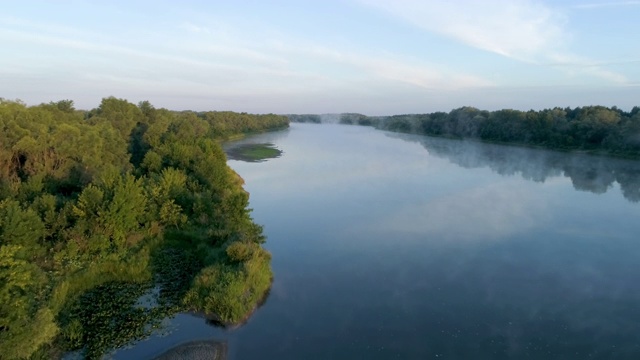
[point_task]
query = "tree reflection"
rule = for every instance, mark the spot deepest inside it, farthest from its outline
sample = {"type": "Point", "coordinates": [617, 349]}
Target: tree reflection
{"type": "Point", "coordinates": [596, 174]}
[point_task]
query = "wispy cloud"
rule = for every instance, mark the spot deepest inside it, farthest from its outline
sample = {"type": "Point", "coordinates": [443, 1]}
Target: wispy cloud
{"type": "Point", "coordinates": [193, 28]}
{"type": "Point", "coordinates": [420, 75]}
{"type": "Point", "coordinates": [582, 65]}
{"type": "Point", "coordinates": [219, 61]}
{"type": "Point", "coordinates": [204, 59]}
{"type": "Point", "coordinates": [333, 64]}
{"type": "Point", "coordinates": [526, 31]}
{"type": "Point", "coordinates": [407, 71]}
{"type": "Point", "coordinates": [20, 23]}
{"type": "Point", "coordinates": [516, 29]}
{"type": "Point", "coordinates": [353, 63]}
{"type": "Point", "coordinates": [591, 63]}
{"type": "Point", "coordinates": [606, 4]}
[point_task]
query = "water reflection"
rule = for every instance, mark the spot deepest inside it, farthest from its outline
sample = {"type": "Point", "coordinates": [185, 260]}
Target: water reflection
{"type": "Point", "coordinates": [596, 174]}
{"type": "Point", "coordinates": [273, 137]}
{"type": "Point", "coordinates": [461, 216]}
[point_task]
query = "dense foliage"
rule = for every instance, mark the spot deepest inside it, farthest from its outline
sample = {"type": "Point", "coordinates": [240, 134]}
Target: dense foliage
{"type": "Point", "coordinates": [595, 129]}
{"type": "Point", "coordinates": [96, 207]}
{"type": "Point", "coordinates": [305, 118]}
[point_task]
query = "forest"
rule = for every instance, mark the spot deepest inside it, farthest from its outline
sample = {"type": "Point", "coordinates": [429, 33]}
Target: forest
{"type": "Point", "coordinates": [102, 208]}
{"type": "Point", "coordinates": [593, 129]}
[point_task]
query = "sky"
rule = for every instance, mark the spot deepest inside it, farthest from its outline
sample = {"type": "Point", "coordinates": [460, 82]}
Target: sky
{"type": "Point", "coordinates": [376, 57]}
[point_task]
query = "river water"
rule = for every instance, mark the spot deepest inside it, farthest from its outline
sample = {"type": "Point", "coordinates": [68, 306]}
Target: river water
{"type": "Point", "coordinates": [395, 246]}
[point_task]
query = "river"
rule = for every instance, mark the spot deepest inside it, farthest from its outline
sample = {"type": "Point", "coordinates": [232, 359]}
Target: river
{"type": "Point", "coordinates": [391, 245]}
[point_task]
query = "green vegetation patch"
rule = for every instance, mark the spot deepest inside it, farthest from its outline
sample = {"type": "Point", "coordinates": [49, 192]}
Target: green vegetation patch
{"type": "Point", "coordinates": [254, 152]}
{"type": "Point", "coordinates": [231, 289]}
{"type": "Point", "coordinates": [104, 208]}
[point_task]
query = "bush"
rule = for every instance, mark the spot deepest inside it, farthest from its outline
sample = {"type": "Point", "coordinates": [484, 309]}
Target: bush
{"type": "Point", "coordinates": [230, 292]}
{"type": "Point", "coordinates": [240, 251]}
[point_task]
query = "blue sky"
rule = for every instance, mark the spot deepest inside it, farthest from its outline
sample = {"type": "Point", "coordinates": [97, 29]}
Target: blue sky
{"type": "Point", "coordinates": [370, 56]}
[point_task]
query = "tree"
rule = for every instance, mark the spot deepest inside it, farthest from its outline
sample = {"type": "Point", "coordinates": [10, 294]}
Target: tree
{"type": "Point", "coordinates": [24, 324]}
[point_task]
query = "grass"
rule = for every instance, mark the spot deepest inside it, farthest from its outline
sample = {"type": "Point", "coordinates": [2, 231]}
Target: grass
{"type": "Point", "coordinates": [254, 152]}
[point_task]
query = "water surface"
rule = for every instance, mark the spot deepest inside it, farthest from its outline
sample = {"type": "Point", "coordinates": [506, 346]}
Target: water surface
{"type": "Point", "coordinates": [400, 246]}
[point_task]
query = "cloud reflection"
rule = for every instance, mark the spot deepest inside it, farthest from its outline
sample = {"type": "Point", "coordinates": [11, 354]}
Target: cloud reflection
{"type": "Point", "coordinates": [482, 213]}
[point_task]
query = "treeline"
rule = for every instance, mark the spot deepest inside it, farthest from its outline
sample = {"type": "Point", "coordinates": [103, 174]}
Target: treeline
{"type": "Point", "coordinates": [227, 123]}
{"type": "Point", "coordinates": [595, 129]}
{"type": "Point", "coordinates": [99, 206]}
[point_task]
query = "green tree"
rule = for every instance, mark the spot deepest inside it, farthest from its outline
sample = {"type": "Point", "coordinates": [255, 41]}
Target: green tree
{"type": "Point", "coordinates": [24, 324]}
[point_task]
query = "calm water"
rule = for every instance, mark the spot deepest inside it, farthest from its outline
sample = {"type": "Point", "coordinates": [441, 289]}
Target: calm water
{"type": "Point", "coordinates": [399, 246]}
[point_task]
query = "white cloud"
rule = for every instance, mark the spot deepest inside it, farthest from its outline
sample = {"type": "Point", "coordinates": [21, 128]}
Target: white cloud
{"type": "Point", "coordinates": [527, 31]}
{"type": "Point", "coordinates": [330, 66]}
{"type": "Point", "coordinates": [582, 65]}
{"type": "Point", "coordinates": [516, 29]}
{"type": "Point", "coordinates": [428, 77]}
{"type": "Point", "coordinates": [606, 4]}
{"type": "Point", "coordinates": [393, 68]}
{"type": "Point", "coordinates": [221, 60]}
